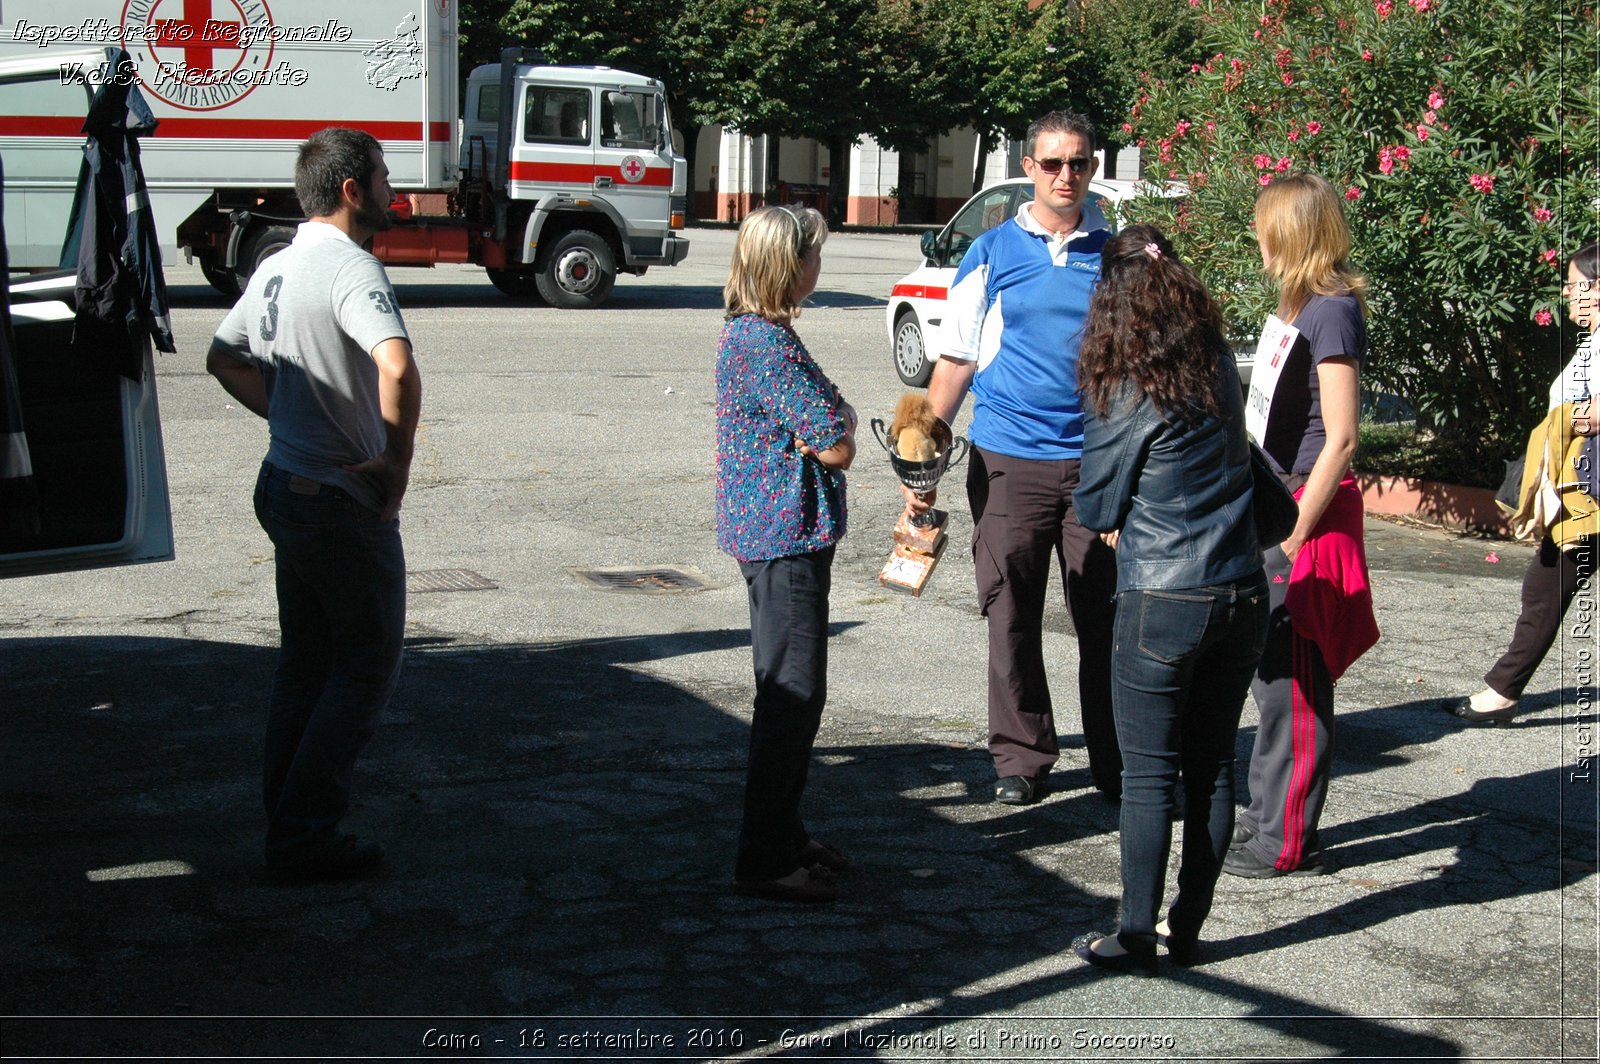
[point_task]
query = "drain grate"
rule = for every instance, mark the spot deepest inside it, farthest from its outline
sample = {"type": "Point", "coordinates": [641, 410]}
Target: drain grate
{"type": "Point", "coordinates": [418, 583]}
{"type": "Point", "coordinates": [660, 580]}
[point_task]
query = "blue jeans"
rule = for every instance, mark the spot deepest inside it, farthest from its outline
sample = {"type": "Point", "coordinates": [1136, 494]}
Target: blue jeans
{"type": "Point", "coordinates": [1181, 668]}
{"type": "Point", "coordinates": [341, 578]}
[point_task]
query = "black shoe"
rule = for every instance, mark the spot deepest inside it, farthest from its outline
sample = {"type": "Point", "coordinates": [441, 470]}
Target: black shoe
{"type": "Point", "coordinates": [1241, 835]}
{"type": "Point", "coordinates": [1018, 790]}
{"type": "Point", "coordinates": [1462, 707]}
{"type": "Point", "coordinates": [1244, 863]}
{"type": "Point", "coordinates": [1127, 963]}
{"type": "Point", "coordinates": [348, 858]}
{"type": "Point", "coordinates": [1184, 952]}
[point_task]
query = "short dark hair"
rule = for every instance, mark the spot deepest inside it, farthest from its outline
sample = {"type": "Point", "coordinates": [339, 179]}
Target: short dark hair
{"type": "Point", "coordinates": [326, 159]}
{"type": "Point", "coordinates": [1060, 122]}
{"type": "Point", "coordinates": [1587, 260]}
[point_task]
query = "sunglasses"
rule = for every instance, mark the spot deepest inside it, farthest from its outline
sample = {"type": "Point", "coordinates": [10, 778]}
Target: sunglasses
{"type": "Point", "coordinates": [1077, 164]}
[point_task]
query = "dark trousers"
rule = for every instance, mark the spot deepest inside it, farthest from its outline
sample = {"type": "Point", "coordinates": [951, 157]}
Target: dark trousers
{"type": "Point", "coordinates": [1183, 664]}
{"type": "Point", "coordinates": [1022, 514]}
{"type": "Point", "coordinates": [1293, 756]}
{"type": "Point", "coordinates": [789, 644]}
{"type": "Point", "coordinates": [341, 582]}
{"type": "Point", "coordinates": [1548, 587]}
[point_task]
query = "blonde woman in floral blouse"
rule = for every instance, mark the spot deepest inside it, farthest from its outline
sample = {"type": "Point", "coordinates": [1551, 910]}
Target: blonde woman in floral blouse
{"type": "Point", "coordinates": [784, 438]}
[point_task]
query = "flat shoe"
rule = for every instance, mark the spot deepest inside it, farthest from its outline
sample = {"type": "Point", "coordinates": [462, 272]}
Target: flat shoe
{"type": "Point", "coordinates": [1125, 963]}
{"type": "Point", "coordinates": [348, 858]}
{"type": "Point", "coordinates": [820, 853]}
{"type": "Point", "coordinates": [1462, 707]}
{"type": "Point", "coordinates": [1017, 790]}
{"type": "Point", "coordinates": [818, 886]}
{"type": "Point", "coordinates": [1185, 953]}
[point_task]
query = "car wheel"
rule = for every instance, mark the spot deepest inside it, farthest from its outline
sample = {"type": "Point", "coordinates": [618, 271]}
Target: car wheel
{"type": "Point", "coordinates": [910, 351]}
{"type": "Point", "coordinates": [578, 272]}
{"type": "Point", "coordinates": [518, 284]}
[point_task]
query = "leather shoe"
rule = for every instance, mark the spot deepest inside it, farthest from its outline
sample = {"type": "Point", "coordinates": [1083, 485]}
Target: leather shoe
{"type": "Point", "coordinates": [1241, 835]}
{"type": "Point", "coordinates": [1184, 952]}
{"type": "Point", "coordinates": [1244, 863]}
{"type": "Point", "coordinates": [1018, 790]}
{"type": "Point", "coordinates": [1462, 707]}
{"type": "Point", "coordinates": [820, 853]}
{"type": "Point", "coordinates": [815, 886]}
{"type": "Point", "coordinates": [347, 858]}
{"type": "Point", "coordinates": [1126, 963]}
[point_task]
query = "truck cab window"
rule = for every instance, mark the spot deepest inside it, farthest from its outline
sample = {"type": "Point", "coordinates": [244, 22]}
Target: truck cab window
{"type": "Point", "coordinates": [628, 120]}
{"type": "Point", "coordinates": [556, 116]}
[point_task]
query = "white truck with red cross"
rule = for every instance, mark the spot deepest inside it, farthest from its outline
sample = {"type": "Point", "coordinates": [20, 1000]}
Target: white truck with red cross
{"type": "Point", "coordinates": [592, 184]}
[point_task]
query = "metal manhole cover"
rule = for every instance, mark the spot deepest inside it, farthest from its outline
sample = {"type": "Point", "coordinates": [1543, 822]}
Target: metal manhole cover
{"type": "Point", "coordinates": [659, 580]}
{"type": "Point", "coordinates": [427, 580]}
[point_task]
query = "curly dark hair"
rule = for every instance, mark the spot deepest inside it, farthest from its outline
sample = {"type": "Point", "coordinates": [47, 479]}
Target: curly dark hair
{"type": "Point", "coordinates": [1152, 324]}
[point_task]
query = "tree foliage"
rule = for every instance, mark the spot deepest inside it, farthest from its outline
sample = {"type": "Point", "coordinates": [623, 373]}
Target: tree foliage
{"type": "Point", "coordinates": [1463, 136]}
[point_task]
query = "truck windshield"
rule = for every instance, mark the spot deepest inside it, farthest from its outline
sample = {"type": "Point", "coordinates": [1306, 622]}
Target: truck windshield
{"type": "Point", "coordinates": [631, 119]}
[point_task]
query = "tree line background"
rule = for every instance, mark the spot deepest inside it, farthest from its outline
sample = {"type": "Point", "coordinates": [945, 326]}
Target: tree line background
{"type": "Point", "coordinates": [1462, 134]}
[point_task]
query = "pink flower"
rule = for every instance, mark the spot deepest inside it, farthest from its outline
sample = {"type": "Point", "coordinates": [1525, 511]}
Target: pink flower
{"type": "Point", "coordinates": [1288, 78]}
{"type": "Point", "coordinates": [1543, 317]}
{"type": "Point", "coordinates": [1211, 127]}
{"type": "Point", "coordinates": [1482, 182]}
{"type": "Point", "coordinates": [1237, 65]}
{"type": "Point", "coordinates": [1313, 128]}
{"type": "Point", "coordinates": [1385, 164]}
{"type": "Point", "coordinates": [1542, 214]}
{"type": "Point", "coordinates": [1352, 193]}
{"type": "Point", "coordinates": [1366, 53]}
{"type": "Point", "coordinates": [1430, 116]}
{"type": "Point", "coordinates": [1284, 57]}
{"type": "Point", "coordinates": [1194, 3]}
{"type": "Point", "coordinates": [1182, 127]}
{"type": "Point", "coordinates": [1294, 134]}
{"type": "Point", "coordinates": [1263, 161]}
{"type": "Point", "coordinates": [1284, 164]}
{"type": "Point", "coordinates": [1384, 7]}
{"type": "Point", "coordinates": [1402, 153]}
{"type": "Point", "coordinates": [1422, 133]}
{"type": "Point", "coordinates": [1549, 256]}
{"type": "Point", "coordinates": [1421, 5]}
{"type": "Point", "coordinates": [1264, 180]}
{"type": "Point", "coordinates": [1435, 101]}
{"type": "Point", "coordinates": [1194, 68]}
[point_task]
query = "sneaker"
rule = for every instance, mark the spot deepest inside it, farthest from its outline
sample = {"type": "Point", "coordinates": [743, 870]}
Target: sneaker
{"type": "Point", "coordinates": [1244, 863]}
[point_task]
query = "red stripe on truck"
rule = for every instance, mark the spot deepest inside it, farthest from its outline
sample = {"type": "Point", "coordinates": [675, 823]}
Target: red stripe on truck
{"type": "Point", "coordinates": [919, 291]}
{"type": "Point", "coordinates": [585, 173]}
{"type": "Point", "coordinates": [228, 128]}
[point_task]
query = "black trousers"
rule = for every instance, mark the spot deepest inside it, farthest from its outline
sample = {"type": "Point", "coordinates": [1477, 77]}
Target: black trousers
{"type": "Point", "coordinates": [789, 645]}
{"type": "Point", "coordinates": [1548, 588]}
{"type": "Point", "coordinates": [1022, 514]}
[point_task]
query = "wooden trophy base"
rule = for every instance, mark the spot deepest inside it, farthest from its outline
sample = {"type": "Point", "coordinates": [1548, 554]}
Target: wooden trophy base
{"type": "Point", "coordinates": [916, 552]}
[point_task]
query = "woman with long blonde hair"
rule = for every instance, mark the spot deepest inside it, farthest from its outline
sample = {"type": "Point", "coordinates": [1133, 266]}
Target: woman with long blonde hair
{"type": "Point", "coordinates": [1307, 413]}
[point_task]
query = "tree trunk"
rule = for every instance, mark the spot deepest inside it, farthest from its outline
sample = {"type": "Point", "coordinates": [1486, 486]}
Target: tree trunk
{"type": "Point", "coordinates": [691, 147]}
{"type": "Point", "coordinates": [985, 145]}
{"type": "Point", "coordinates": [838, 179]}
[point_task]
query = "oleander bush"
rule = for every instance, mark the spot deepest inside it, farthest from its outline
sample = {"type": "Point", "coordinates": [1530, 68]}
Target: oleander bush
{"type": "Point", "coordinates": [1463, 137]}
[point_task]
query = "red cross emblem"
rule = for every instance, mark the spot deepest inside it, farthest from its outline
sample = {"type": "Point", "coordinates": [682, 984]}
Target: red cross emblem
{"type": "Point", "coordinates": [198, 54]}
{"type": "Point", "coordinates": [633, 169]}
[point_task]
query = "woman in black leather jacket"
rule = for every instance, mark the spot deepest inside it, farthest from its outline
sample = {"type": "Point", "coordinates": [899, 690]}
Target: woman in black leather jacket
{"type": "Point", "coordinates": [1166, 480]}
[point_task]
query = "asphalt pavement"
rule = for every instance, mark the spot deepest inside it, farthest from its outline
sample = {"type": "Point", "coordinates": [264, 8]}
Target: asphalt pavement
{"type": "Point", "coordinates": [558, 780]}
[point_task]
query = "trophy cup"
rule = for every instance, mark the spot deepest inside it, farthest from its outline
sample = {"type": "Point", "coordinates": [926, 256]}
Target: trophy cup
{"type": "Point", "coordinates": [919, 541]}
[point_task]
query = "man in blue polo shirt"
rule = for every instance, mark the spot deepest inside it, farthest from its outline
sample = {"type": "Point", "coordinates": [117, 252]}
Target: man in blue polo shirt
{"type": "Point", "coordinates": [1015, 314]}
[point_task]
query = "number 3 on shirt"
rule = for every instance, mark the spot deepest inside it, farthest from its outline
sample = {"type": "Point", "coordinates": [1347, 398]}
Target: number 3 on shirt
{"type": "Point", "coordinates": [269, 320]}
{"type": "Point", "coordinates": [381, 298]}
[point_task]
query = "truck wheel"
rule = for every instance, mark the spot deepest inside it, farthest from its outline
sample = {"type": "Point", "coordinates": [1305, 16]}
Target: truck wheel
{"type": "Point", "coordinates": [518, 284]}
{"type": "Point", "coordinates": [579, 271]}
{"type": "Point", "coordinates": [221, 278]}
{"type": "Point", "coordinates": [266, 241]}
{"type": "Point", "coordinates": [911, 350]}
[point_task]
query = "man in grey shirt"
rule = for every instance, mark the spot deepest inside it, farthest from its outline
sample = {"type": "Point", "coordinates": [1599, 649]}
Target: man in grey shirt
{"type": "Point", "coordinates": [316, 345]}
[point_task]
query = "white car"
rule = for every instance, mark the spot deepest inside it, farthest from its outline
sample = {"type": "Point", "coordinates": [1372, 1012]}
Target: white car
{"type": "Point", "coordinates": [915, 314]}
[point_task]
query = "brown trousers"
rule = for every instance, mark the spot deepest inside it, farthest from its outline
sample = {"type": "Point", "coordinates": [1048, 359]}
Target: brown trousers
{"type": "Point", "coordinates": [1022, 513]}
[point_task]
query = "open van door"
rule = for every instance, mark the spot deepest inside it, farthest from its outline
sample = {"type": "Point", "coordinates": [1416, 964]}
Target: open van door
{"type": "Point", "coordinates": [83, 478]}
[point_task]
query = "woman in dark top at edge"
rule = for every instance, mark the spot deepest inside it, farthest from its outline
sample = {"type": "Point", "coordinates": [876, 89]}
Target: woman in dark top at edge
{"type": "Point", "coordinates": [1166, 480]}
